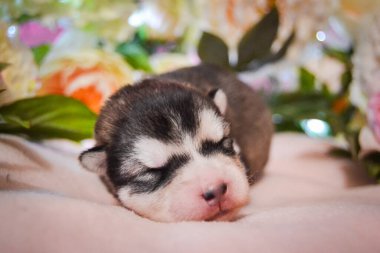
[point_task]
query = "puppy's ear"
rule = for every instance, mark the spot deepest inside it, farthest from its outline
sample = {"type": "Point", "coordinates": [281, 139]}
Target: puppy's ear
{"type": "Point", "coordinates": [94, 160]}
{"type": "Point", "coordinates": [220, 99]}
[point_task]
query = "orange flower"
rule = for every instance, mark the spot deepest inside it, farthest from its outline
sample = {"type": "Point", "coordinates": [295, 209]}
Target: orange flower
{"type": "Point", "coordinates": [90, 76]}
{"type": "Point", "coordinates": [340, 105]}
{"type": "Point", "coordinates": [91, 86]}
{"type": "Point", "coordinates": [77, 68]}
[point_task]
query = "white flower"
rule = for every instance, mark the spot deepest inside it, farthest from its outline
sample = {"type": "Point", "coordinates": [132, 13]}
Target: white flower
{"type": "Point", "coordinates": [19, 78]}
{"type": "Point", "coordinates": [328, 71]}
{"type": "Point", "coordinates": [366, 72]}
{"type": "Point", "coordinates": [367, 57]}
{"type": "Point", "coordinates": [365, 89]}
{"type": "Point", "coordinates": [164, 62]}
{"type": "Point", "coordinates": [306, 17]}
{"type": "Point", "coordinates": [367, 142]}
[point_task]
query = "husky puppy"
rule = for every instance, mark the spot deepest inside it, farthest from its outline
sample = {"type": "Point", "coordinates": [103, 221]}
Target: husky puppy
{"type": "Point", "coordinates": [184, 145]}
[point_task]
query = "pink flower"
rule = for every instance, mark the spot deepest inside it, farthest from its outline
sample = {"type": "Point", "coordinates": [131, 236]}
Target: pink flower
{"type": "Point", "coordinates": [34, 34]}
{"type": "Point", "coordinates": [374, 115]}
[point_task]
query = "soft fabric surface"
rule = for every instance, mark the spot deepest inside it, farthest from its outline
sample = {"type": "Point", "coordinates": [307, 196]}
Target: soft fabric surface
{"type": "Point", "coordinates": [306, 202]}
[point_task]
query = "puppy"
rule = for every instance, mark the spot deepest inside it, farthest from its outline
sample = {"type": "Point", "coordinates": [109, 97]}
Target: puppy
{"type": "Point", "coordinates": [184, 145]}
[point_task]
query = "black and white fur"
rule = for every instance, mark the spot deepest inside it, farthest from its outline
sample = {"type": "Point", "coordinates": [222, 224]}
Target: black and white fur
{"type": "Point", "coordinates": [182, 146]}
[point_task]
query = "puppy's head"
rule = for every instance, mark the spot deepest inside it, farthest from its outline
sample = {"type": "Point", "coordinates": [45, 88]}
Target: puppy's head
{"type": "Point", "coordinates": [166, 150]}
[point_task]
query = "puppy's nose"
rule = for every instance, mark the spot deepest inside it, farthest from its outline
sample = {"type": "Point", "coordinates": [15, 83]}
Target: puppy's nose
{"type": "Point", "coordinates": [214, 194]}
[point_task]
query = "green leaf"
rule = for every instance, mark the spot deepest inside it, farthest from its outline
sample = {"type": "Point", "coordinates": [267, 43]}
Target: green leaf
{"type": "Point", "coordinates": [325, 91]}
{"type": "Point", "coordinates": [212, 49]}
{"type": "Point", "coordinates": [372, 164]}
{"type": "Point", "coordinates": [281, 53]}
{"type": "Point", "coordinates": [340, 153]}
{"type": "Point", "coordinates": [256, 64]}
{"type": "Point", "coordinates": [15, 120]}
{"type": "Point", "coordinates": [47, 117]}
{"type": "Point", "coordinates": [23, 18]}
{"type": "Point", "coordinates": [40, 52]}
{"type": "Point", "coordinates": [346, 80]}
{"type": "Point", "coordinates": [342, 56]}
{"type": "Point", "coordinates": [306, 81]}
{"type": "Point", "coordinates": [290, 109]}
{"type": "Point", "coordinates": [142, 33]}
{"type": "Point", "coordinates": [257, 42]}
{"type": "Point", "coordinates": [135, 55]}
{"type": "Point", "coordinates": [3, 65]}
{"type": "Point", "coordinates": [352, 138]}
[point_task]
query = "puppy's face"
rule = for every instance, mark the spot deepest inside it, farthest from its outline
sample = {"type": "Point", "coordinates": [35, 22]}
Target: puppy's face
{"type": "Point", "coordinates": [171, 158]}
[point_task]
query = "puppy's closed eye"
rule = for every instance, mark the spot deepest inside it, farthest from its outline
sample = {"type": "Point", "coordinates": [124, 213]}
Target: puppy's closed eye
{"type": "Point", "coordinates": [150, 179]}
{"type": "Point", "coordinates": [225, 146]}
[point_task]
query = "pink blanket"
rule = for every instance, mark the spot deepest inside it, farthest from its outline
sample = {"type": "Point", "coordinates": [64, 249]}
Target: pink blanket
{"type": "Point", "coordinates": [306, 202]}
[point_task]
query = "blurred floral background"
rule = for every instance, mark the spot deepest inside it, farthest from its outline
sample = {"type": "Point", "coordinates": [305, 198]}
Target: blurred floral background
{"type": "Point", "coordinates": [317, 62]}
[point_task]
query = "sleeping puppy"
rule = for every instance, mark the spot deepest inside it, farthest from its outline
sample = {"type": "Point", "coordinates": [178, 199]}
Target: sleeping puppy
{"type": "Point", "coordinates": [184, 145]}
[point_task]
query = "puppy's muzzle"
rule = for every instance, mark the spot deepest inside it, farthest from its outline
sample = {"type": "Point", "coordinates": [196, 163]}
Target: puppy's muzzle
{"type": "Point", "coordinates": [214, 195]}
